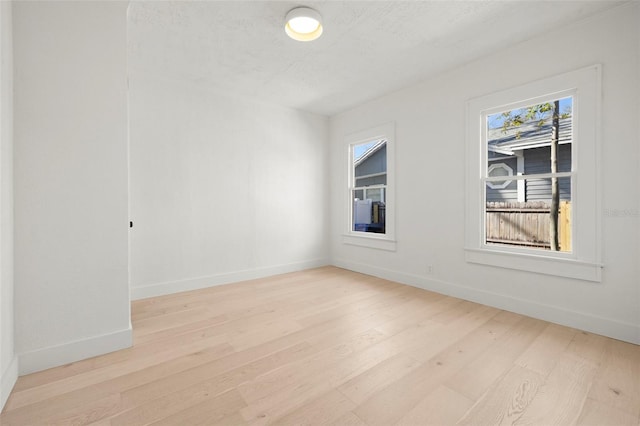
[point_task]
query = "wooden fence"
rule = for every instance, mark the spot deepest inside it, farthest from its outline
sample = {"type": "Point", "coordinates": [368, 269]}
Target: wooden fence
{"type": "Point", "coordinates": [527, 224]}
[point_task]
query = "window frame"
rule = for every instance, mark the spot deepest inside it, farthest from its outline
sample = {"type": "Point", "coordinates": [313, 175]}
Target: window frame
{"type": "Point", "coordinates": [584, 261]}
{"type": "Point", "coordinates": [387, 240]}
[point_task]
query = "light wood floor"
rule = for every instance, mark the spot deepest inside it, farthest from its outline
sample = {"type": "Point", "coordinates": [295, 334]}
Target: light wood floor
{"type": "Point", "coordinates": [328, 346]}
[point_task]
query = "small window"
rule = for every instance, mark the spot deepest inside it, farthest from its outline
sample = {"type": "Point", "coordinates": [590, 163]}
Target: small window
{"type": "Point", "coordinates": [370, 188]}
{"type": "Point", "coordinates": [369, 170]}
{"type": "Point", "coordinates": [499, 170]}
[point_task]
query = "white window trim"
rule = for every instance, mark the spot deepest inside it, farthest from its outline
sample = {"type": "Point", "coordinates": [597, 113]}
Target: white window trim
{"type": "Point", "coordinates": [387, 240]}
{"type": "Point", "coordinates": [584, 262]}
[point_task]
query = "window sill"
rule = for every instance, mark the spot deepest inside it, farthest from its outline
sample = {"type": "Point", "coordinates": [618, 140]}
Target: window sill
{"type": "Point", "coordinates": [370, 241]}
{"type": "Point", "coordinates": [569, 268]}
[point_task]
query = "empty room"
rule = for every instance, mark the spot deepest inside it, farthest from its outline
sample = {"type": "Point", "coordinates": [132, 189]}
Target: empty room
{"type": "Point", "coordinates": [320, 213]}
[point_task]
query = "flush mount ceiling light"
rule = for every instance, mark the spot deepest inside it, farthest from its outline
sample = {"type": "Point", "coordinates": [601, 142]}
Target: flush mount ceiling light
{"type": "Point", "coordinates": [303, 24]}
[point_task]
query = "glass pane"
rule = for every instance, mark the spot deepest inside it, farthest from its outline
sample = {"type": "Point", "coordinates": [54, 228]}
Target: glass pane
{"type": "Point", "coordinates": [369, 216]}
{"type": "Point", "coordinates": [525, 137]}
{"type": "Point", "coordinates": [499, 172]}
{"type": "Point", "coordinates": [529, 223]}
{"type": "Point", "coordinates": [369, 169]}
{"type": "Point", "coordinates": [374, 194]}
{"type": "Point", "coordinates": [370, 158]}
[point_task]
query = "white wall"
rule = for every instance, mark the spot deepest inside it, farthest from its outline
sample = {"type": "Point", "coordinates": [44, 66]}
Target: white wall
{"type": "Point", "coordinates": [8, 360]}
{"type": "Point", "coordinates": [222, 188]}
{"type": "Point", "coordinates": [430, 141]}
{"type": "Point", "coordinates": [70, 163]}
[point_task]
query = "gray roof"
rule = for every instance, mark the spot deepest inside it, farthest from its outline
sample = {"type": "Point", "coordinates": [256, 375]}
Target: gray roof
{"type": "Point", "coordinates": [532, 135]}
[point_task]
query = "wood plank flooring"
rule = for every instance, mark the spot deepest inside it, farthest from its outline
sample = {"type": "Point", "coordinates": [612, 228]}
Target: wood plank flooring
{"type": "Point", "coordinates": [333, 347]}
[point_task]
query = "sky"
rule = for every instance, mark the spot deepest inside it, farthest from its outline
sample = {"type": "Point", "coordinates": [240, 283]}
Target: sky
{"type": "Point", "coordinates": [496, 120]}
{"type": "Point", "coordinates": [358, 150]}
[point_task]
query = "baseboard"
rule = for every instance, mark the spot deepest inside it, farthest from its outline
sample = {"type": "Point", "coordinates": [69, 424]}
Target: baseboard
{"type": "Point", "coordinates": [54, 356]}
{"type": "Point", "coordinates": [8, 380]}
{"type": "Point", "coordinates": [587, 322]}
{"type": "Point", "coordinates": [170, 287]}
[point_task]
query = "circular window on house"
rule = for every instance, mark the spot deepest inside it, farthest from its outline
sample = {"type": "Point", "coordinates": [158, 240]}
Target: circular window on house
{"type": "Point", "coordinates": [498, 170]}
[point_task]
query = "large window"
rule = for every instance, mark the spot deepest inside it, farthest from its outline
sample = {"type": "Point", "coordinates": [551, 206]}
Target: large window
{"type": "Point", "coordinates": [370, 188]}
{"type": "Point", "coordinates": [532, 193]}
{"type": "Point", "coordinates": [532, 209]}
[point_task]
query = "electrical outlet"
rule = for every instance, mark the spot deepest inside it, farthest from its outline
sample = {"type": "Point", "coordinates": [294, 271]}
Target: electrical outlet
{"type": "Point", "coordinates": [429, 269]}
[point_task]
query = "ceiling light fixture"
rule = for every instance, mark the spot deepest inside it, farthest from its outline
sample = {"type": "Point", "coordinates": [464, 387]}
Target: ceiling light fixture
{"type": "Point", "coordinates": [303, 24]}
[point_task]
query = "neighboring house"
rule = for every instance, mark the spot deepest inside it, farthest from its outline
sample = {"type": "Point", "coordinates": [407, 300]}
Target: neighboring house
{"type": "Point", "coordinates": [530, 153]}
{"type": "Point", "coordinates": [371, 167]}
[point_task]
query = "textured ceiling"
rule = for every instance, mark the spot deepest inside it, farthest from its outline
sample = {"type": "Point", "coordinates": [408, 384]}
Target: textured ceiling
{"type": "Point", "coordinates": [367, 49]}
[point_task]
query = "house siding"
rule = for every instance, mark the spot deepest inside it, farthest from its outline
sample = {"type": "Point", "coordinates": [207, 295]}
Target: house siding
{"type": "Point", "coordinates": [537, 161]}
{"type": "Point", "coordinates": [376, 163]}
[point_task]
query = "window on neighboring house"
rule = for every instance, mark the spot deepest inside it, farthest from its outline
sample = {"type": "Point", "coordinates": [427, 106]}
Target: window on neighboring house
{"type": "Point", "coordinates": [499, 170]}
{"type": "Point", "coordinates": [525, 209]}
{"type": "Point", "coordinates": [370, 183]}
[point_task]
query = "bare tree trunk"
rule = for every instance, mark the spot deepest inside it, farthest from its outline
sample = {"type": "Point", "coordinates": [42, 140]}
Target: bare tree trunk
{"type": "Point", "coordinates": [555, 193]}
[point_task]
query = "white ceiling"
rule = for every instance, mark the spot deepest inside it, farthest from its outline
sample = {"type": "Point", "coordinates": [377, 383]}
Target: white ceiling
{"type": "Point", "coordinates": [368, 48]}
